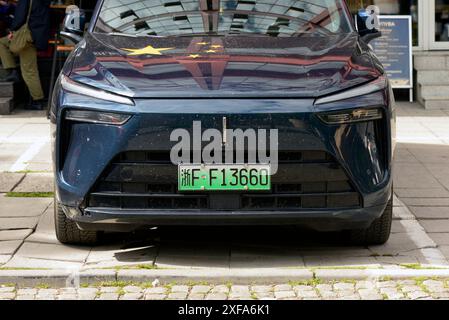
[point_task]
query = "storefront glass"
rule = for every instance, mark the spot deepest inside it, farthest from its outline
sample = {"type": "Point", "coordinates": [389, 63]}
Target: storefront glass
{"type": "Point", "coordinates": [441, 20]}
{"type": "Point", "coordinates": [393, 7]}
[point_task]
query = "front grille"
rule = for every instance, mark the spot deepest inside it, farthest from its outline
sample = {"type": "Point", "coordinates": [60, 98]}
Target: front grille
{"type": "Point", "coordinates": [148, 180]}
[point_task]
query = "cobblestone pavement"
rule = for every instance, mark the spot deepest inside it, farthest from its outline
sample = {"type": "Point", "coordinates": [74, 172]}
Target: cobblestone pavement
{"type": "Point", "coordinates": [417, 289]}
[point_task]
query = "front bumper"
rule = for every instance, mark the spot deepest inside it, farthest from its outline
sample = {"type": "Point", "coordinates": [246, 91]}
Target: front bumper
{"type": "Point", "coordinates": [88, 155]}
{"type": "Point", "coordinates": [129, 220]}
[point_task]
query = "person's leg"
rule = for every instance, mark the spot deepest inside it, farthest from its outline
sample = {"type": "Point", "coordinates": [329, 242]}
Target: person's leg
{"type": "Point", "coordinates": [8, 61]}
{"type": "Point", "coordinates": [30, 73]}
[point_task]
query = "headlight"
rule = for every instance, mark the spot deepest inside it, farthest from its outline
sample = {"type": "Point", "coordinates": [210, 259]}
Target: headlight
{"type": "Point", "coordinates": [350, 116]}
{"type": "Point", "coordinates": [97, 117]}
{"type": "Point", "coordinates": [78, 88]}
{"type": "Point", "coordinates": [376, 85]}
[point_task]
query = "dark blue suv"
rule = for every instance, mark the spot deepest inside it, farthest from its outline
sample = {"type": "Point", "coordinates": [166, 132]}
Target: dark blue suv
{"type": "Point", "coordinates": [301, 70]}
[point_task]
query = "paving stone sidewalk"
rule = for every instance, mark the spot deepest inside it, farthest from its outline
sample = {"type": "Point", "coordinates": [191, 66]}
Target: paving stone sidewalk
{"type": "Point", "coordinates": [413, 289]}
{"type": "Point", "coordinates": [422, 169]}
{"type": "Point", "coordinates": [30, 242]}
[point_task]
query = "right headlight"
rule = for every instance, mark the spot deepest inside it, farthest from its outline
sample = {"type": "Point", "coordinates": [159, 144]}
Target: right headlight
{"type": "Point", "coordinates": [79, 88]}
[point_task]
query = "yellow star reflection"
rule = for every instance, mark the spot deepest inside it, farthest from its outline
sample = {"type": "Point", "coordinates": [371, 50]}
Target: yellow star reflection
{"type": "Point", "coordinates": [194, 56]}
{"type": "Point", "coordinates": [210, 51]}
{"type": "Point", "coordinates": [216, 46]}
{"type": "Point", "coordinates": [147, 50]}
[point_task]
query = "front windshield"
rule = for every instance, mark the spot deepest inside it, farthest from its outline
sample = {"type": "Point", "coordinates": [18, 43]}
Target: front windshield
{"type": "Point", "coordinates": [276, 18]}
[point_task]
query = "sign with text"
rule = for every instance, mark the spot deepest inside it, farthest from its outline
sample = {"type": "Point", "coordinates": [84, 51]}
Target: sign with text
{"type": "Point", "coordinates": [394, 50]}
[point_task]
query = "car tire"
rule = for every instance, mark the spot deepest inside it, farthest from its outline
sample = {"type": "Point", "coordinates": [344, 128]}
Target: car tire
{"type": "Point", "coordinates": [67, 231]}
{"type": "Point", "coordinates": [379, 231]}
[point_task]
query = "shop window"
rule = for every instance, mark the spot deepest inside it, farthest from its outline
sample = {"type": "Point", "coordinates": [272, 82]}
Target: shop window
{"type": "Point", "coordinates": [441, 20]}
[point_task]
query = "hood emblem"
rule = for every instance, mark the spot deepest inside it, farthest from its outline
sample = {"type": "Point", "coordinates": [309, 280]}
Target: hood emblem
{"type": "Point", "coordinates": [225, 130]}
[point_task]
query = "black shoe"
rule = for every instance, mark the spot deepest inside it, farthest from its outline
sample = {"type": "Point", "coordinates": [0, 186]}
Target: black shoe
{"type": "Point", "coordinates": [35, 105]}
{"type": "Point", "coordinates": [13, 76]}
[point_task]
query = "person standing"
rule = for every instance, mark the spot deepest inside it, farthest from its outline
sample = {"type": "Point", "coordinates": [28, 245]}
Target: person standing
{"type": "Point", "coordinates": [39, 26]}
{"type": "Point", "coordinates": [7, 9]}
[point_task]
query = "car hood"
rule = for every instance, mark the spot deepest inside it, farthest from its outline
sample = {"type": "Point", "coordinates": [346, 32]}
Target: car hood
{"type": "Point", "coordinates": [173, 67]}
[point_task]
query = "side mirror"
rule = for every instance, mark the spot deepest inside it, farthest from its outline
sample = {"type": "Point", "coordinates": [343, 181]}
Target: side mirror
{"type": "Point", "coordinates": [366, 33]}
{"type": "Point", "coordinates": [371, 36]}
{"type": "Point", "coordinates": [74, 24]}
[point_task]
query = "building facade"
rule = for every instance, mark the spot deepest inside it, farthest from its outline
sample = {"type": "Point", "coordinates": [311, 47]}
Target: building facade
{"type": "Point", "coordinates": [430, 45]}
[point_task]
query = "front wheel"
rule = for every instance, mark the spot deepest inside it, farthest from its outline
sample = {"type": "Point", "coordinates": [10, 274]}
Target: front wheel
{"type": "Point", "coordinates": [67, 231]}
{"type": "Point", "coordinates": [379, 231]}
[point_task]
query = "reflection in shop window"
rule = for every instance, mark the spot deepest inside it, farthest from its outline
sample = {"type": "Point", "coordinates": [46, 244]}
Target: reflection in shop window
{"type": "Point", "coordinates": [441, 20]}
{"type": "Point", "coordinates": [393, 7]}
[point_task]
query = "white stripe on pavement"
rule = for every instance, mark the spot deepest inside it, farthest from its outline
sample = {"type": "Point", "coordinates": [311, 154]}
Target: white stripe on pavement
{"type": "Point", "coordinates": [28, 155]}
{"type": "Point", "coordinates": [26, 139]}
{"type": "Point", "coordinates": [416, 232]}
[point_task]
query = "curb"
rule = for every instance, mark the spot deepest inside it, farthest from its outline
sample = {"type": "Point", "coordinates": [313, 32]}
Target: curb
{"type": "Point", "coordinates": [376, 274]}
{"type": "Point", "coordinates": [54, 278]}
{"type": "Point", "coordinates": [217, 276]}
{"type": "Point", "coordinates": [61, 278]}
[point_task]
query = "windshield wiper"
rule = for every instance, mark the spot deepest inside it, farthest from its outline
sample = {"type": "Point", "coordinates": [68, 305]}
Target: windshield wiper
{"type": "Point", "coordinates": [220, 34]}
{"type": "Point", "coordinates": [130, 35]}
{"type": "Point", "coordinates": [121, 34]}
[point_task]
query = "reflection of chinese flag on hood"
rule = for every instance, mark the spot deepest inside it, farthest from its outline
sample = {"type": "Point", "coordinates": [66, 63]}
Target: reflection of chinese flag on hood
{"type": "Point", "coordinates": [206, 61]}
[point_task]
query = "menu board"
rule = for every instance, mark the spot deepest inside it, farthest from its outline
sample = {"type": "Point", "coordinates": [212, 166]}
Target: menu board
{"type": "Point", "coordinates": [394, 50]}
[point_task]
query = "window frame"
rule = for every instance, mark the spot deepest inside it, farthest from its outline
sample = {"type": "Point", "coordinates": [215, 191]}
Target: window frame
{"type": "Point", "coordinates": [432, 43]}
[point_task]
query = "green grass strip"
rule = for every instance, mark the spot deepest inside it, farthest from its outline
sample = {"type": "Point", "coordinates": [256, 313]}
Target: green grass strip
{"type": "Point", "coordinates": [30, 194]}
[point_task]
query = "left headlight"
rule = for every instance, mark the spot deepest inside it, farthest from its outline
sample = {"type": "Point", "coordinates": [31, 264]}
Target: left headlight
{"type": "Point", "coordinates": [362, 114]}
{"type": "Point", "coordinates": [79, 88]}
{"type": "Point", "coordinates": [376, 85]}
{"type": "Point", "coordinates": [351, 116]}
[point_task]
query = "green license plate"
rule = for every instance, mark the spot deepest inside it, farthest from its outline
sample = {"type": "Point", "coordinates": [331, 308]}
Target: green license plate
{"type": "Point", "coordinates": [251, 177]}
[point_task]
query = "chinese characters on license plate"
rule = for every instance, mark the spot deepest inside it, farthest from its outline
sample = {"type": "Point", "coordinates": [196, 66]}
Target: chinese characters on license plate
{"type": "Point", "coordinates": [251, 177]}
